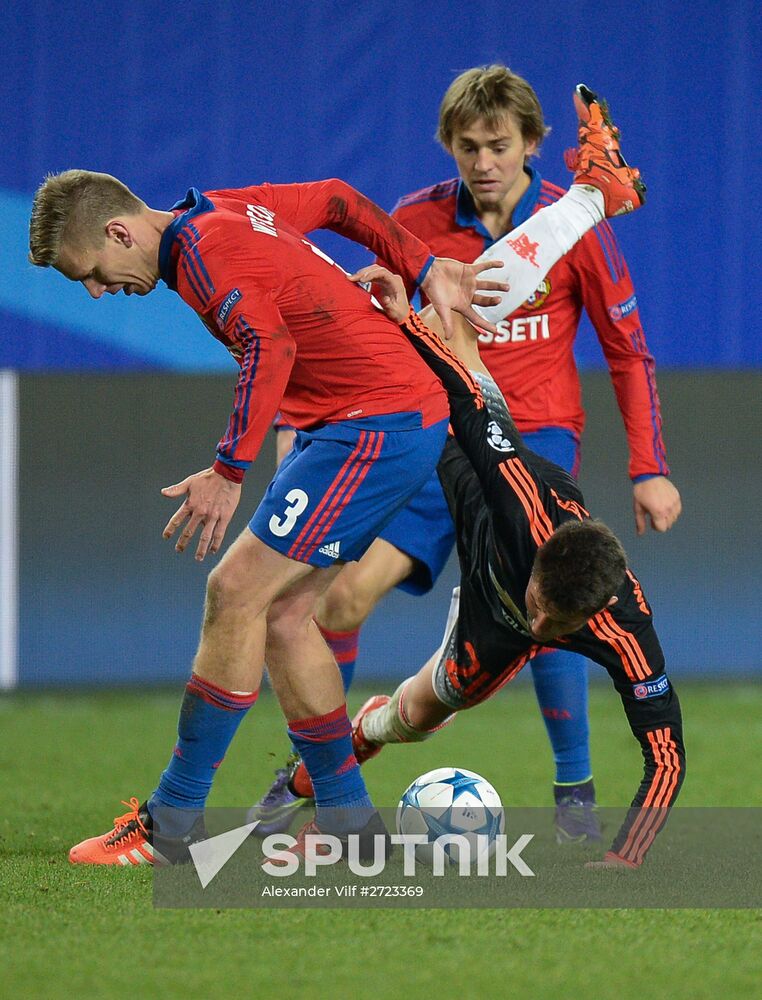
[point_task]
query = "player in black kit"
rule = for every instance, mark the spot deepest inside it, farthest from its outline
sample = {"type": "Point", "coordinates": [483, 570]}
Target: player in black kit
{"type": "Point", "coordinates": [536, 571]}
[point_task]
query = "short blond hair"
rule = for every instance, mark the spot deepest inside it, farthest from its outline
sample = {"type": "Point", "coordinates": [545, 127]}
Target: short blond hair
{"type": "Point", "coordinates": [490, 92]}
{"type": "Point", "coordinates": [72, 208]}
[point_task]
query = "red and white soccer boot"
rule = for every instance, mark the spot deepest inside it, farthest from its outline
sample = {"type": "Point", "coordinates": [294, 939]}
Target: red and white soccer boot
{"type": "Point", "coordinates": [598, 159]}
{"type": "Point", "coordinates": [362, 747]}
{"type": "Point", "coordinates": [310, 844]}
{"type": "Point", "coordinates": [307, 846]}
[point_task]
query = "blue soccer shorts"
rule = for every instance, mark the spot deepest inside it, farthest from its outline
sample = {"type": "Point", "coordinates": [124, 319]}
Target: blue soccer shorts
{"type": "Point", "coordinates": [423, 529]}
{"type": "Point", "coordinates": [340, 484]}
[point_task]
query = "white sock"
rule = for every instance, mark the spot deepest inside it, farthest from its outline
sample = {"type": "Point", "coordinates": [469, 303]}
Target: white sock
{"type": "Point", "coordinates": [530, 250]}
{"type": "Point", "coordinates": [387, 725]}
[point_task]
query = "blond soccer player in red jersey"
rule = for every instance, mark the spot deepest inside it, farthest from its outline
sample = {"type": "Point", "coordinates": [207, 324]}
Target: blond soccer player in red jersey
{"type": "Point", "coordinates": [372, 418]}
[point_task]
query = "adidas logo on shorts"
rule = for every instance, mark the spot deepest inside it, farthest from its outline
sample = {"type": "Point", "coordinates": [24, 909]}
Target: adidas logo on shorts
{"type": "Point", "coordinates": [330, 549]}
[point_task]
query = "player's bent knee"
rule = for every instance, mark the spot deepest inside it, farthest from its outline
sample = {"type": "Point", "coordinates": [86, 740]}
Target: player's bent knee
{"type": "Point", "coordinates": [220, 595]}
{"type": "Point", "coordinates": [227, 593]}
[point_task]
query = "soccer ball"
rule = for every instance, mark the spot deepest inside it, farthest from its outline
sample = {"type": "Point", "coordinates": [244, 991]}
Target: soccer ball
{"type": "Point", "coordinates": [451, 801]}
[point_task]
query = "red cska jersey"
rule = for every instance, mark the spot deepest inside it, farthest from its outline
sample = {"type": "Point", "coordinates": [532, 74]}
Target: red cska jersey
{"type": "Point", "coordinates": [532, 357]}
{"type": "Point", "coordinates": [308, 341]}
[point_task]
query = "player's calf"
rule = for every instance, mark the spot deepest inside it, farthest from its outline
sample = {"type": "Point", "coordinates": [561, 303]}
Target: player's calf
{"type": "Point", "coordinates": [383, 720]}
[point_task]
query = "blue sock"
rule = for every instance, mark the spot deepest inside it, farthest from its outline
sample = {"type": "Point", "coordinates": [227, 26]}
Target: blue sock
{"type": "Point", "coordinates": [344, 647]}
{"type": "Point", "coordinates": [560, 683]}
{"type": "Point", "coordinates": [209, 719]}
{"type": "Point", "coordinates": [325, 746]}
{"type": "Point", "coordinates": [582, 791]}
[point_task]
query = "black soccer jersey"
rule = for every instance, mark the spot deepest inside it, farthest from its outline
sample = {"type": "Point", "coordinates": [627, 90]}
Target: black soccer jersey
{"type": "Point", "coordinates": [506, 502]}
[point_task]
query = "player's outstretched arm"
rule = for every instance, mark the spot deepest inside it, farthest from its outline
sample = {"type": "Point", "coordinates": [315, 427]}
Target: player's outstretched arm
{"type": "Point", "coordinates": [623, 640]}
{"type": "Point", "coordinates": [658, 728]}
{"type": "Point", "coordinates": [333, 204]}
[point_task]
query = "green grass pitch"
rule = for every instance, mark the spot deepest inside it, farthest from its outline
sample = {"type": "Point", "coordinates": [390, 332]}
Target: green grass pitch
{"type": "Point", "coordinates": [68, 759]}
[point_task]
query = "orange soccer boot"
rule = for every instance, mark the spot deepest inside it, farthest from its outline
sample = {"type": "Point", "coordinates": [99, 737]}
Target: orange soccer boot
{"type": "Point", "coordinates": [127, 844]}
{"type": "Point", "coordinates": [135, 841]}
{"type": "Point", "coordinates": [598, 159]}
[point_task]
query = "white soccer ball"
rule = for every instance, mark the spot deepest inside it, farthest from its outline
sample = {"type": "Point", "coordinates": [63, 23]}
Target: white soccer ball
{"type": "Point", "coordinates": [451, 802]}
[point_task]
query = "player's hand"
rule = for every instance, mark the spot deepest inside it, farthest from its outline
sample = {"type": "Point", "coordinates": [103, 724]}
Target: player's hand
{"type": "Point", "coordinates": [610, 861]}
{"type": "Point", "coordinates": [210, 501]}
{"type": "Point", "coordinates": [388, 288]}
{"type": "Point", "coordinates": [657, 499]}
{"type": "Point", "coordinates": [452, 286]}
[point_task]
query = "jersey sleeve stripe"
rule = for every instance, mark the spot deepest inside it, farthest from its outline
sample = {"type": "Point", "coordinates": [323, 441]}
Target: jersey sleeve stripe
{"type": "Point", "coordinates": [630, 644]}
{"type": "Point", "coordinates": [672, 765]}
{"type": "Point", "coordinates": [436, 193]}
{"type": "Point", "coordinates": [518, 489]}
{"type": "Point", "coordinates": [600, 626]}
{"type": "Point", "coordinates": [658, 740]}
{"type": "Point", "coordinates": [597, 629]}
{"type": "Point", "coordinates": [520, 480]}
{"type": "Point", "coordinates": [202, 297]}
{"type": "Point", "coordinates": [542, 515]}
{"type": "Point", "coordinates": [551, 191]}
{"type": "Point", "coordinates": [232, 429]}
{"type": "Point", "coordinates": [609, 241]}
{"type": "Point", "coordinates": [667, 794]}
{"type": "Point", "coordinates": [239, 421]}
{"type": "Point", "coordinates": [653, 820]}
{"type": "Point", "coordinates": [243, 388]}
{"type": "Point", "coordinates": [544, 523]}
{"type": "Point", "coordinates": [616, 253]}
{"type": "Point", "coordinates": [657, 441]}
{"type": "Point", "coordinates": [661, 793]}
{"type": "Point", "coordinates": [442, 351]}
{"type": "Point", "coordinates": [601, 234]}
{"type": "Point", "coordinates": [192, 257]}
{"type": "Point", "coordinates": [199, 258]}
